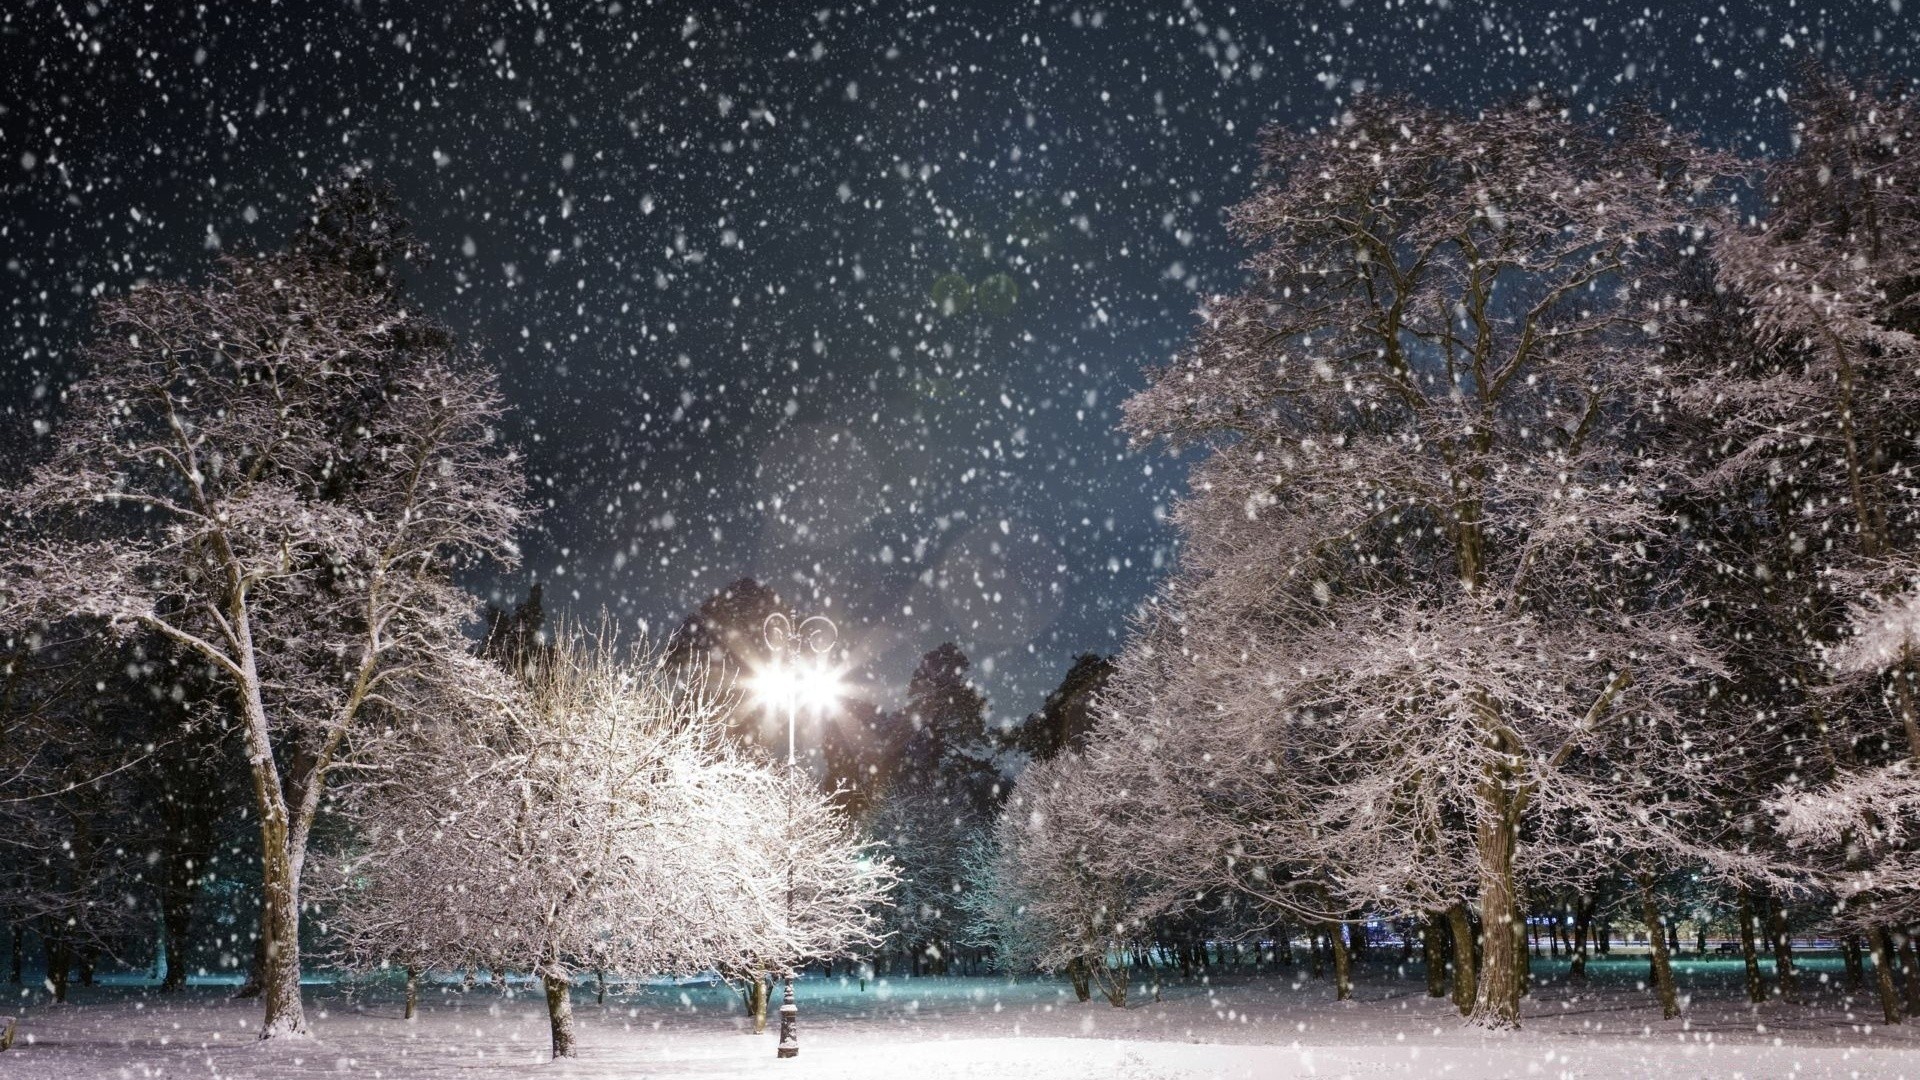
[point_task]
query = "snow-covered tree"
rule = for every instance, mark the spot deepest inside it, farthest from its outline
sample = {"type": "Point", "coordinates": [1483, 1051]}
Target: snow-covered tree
{"type": "Point", "coordinates": [1809, 420]}
{"type": "Point", "coordinates": [936, 805]}
{"type": "Point", "coordinates": [277, 469]}
{"type": "Point", "coordinates": [1054, 893]}
{"type": "Point", "coordinates": [1426, 568]}
{"type": "Point", "coordinates": [591, 820]}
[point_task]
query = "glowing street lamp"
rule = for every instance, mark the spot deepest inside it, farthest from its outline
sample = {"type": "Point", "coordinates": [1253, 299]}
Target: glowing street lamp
{"type": "Point", "coordinates": [797, 677]}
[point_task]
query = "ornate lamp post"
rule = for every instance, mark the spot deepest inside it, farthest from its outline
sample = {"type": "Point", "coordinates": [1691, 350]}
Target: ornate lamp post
{"type": "Point", "coordinates": [797, 674]}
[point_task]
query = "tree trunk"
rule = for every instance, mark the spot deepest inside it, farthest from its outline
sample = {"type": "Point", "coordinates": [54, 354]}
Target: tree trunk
{"type": "Point", "coordinates": [282, 847]}
{"type": "Point", "coordinates": [1434, 953]}
{"type": "Point", "coordinates": [1783, 954]}
{"type": "Point", "coordinates": [256, 969]}
{"type": "Point", "coordinates": [1850, 959]}
{"type": "Point", "coordinates": [1909, 958]}
{"type": "Point", "coordinates": [19, 950]}
{"type": "Point", "coordinates": [560, 1015]}
{"type": "Point", "coordinates": [1756, 986]}
{"type": "Point", "coordinates": [1316, 964]}
{"type": "Point", "coordinates": [1112, 980]}
{"type": "Point", "coordinates": [1582, 939]}
{"type": "Point", "coordinates": [280, 933]}
{"type": "Point", "coordinates": [176, 921]}
{"type": "Point", "coordinates": [1463, 965]}
{"type": "Point", "coordinates": [1496, 1002]}
{"type": "Point", "coordinates": [1662, 980]}
{"type": "Point", "coordinates": [1883, 960]}
{"type": "Point", "coordinates": [1522, 956]}
{"type": "Point", "coordinates": [599, 986]}
{"type": "Point", "coordinates": [186, 840]}
{"type": "Point", "coordinates": [59, 960]}
{"type": "Point", "coordinates": [757, 992]}
{"type": "Point", "coordinates": [1342, 963]}
{"type": "Point", "coordinates": [413, 991]}
{"type": "Point", "coordinates": [1077, 974]}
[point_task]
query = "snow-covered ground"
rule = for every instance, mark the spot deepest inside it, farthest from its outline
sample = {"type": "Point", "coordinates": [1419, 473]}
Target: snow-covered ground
{"type": "Point", "coordinates": [923, 1029]}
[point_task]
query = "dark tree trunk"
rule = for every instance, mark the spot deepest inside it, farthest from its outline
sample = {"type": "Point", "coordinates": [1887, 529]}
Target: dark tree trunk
{"type": "Point", "coordinates": [19, 950]}
{"type": "Point", "coordinates": [187, 838]}
{"type": "Point", "coordinates": [1909, 959]}
{"type": "Point", "coordinates": [1657, 944]}
{"type": "Point", "coordinates": [1432, 936]}
{"type": "Point", "coordinates": [1756, 986]}
{"type": "Point", "coordinates": [413, 991]}
{"type": "Point", "coordinates": [1522, 957]}
{"type": "Point", "coordinates": [1342, 963]}
{"type": "Point", "coordinates": [1851, 960]}
{"type": "Point", "coordinates": [1080, 974]}
{"type": "Point", "coordinates": [256, 970]}
{"type": "Point", "coordinates": [59, 959]}
{"type": "Point", "coordinates": [1463, 959]}
{"type": "Point", "coordinates": [176, 922]}
{"type": "Point", "coordinates": [1789, 981]}
{"type": "Point", "coordinates": [1883, 961]}
{"type": "Point", "coordinates": [1582, 939]}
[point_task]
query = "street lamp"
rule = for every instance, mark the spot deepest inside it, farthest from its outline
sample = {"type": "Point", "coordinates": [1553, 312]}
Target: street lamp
{"type": "Point", "coordinates": [797, 678]}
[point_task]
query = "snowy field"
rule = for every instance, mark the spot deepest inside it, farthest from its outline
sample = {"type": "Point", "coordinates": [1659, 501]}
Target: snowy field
{"type": "Point", "coordinates": [1234, 1026]}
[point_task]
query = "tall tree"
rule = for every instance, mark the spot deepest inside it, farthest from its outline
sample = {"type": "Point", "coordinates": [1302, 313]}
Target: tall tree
{"type": "Point", "coordinates": [947, 749]}
{"type": "Point", "coordinates": [1815, 426]}
{"type": "Point", "coordinates": [278, 470]}
{"type": "Point", "coordinates": [1425, 543]}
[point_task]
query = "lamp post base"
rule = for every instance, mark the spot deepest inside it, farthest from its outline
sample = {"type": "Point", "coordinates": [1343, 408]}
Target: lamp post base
{"type": "Point", "coordinates": [789, 1023]}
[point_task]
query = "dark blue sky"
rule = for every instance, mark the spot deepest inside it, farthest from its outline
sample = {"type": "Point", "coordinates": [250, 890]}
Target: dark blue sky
{"type": "Point", "coordinates": [841, 296]}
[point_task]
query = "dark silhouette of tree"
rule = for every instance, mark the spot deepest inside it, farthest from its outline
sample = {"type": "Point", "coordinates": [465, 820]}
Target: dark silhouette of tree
{"type": "Point", "coordinates": [516, 638]}
{"type": "Point", "coordinates": [1066, 718]}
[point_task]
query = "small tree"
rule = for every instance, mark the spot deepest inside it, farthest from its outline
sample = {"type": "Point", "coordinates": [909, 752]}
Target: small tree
{"type": "Point", "coordinates": [1057, 894]}
{"type": "Point", "coordinates": [589, 822]}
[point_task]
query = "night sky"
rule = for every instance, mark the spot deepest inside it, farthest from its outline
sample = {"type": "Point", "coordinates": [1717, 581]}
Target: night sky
{"type": "Point", "coordinates": [844, 297]}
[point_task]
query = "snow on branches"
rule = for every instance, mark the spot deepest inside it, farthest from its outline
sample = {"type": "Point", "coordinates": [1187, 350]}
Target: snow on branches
{"type": "Point", "coordinates": [596, 819]}
{"type": "Point", "coordinates": [278, 470]}
{"type": "Point", "coordinates": [1428, 577]}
